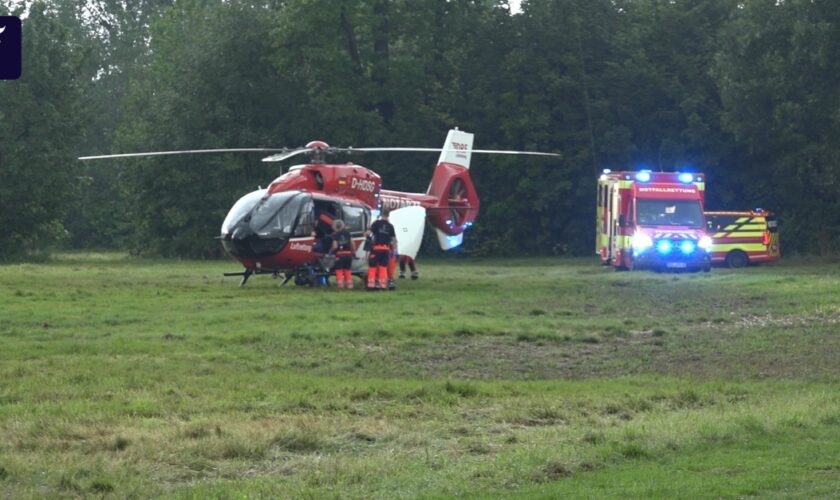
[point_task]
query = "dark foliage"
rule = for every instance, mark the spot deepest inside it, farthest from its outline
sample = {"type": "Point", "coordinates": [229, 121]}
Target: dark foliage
{"type": "Point", "coordinates": [743, 91]}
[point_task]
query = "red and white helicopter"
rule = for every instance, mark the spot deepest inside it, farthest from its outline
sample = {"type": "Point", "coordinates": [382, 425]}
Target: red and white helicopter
{"type": "Point", "coordinates": [270, 230]}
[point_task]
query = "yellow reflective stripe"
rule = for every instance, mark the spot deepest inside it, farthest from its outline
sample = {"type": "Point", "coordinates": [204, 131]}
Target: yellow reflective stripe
{"type": "Point", "coordinates": [751, 227]}
{"type": "Point", "coordinates": [742, 220]}
{"type": "Point", "coordinates": [747, 247]}
{"type": "Point", "coordinates": [746, 234]}
{"type": "Point", "coordinates": [730, 227]}
{"type": "Point", "coordinates": [701, 186]}
{"type": "Point", "coordinates": [625, 184]}
{"type": "Point", "coordinates": [624, 241]}
{"type": "Point", "coordinates": [719, 235]}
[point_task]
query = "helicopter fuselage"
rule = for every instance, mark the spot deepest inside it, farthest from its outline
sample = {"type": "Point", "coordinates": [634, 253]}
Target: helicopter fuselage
{"type": "Point", "coordinates": [271, 230]}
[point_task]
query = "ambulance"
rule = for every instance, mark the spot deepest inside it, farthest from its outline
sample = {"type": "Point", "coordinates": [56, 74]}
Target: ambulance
{"type": "Point", "coordinates": [652, 220]}
{"type": "Point", "coordinates": [743, 238]}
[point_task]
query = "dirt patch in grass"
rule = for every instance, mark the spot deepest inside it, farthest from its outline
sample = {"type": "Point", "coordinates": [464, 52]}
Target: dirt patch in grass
{"type": "Point", "coordinates": [485, 358]}
{"type": "Point", "coordinates": [489, 357]}
{"type": "Point", "coordinates": [826, 316]}
{"type": "Point", "coordinates": [511, 358]}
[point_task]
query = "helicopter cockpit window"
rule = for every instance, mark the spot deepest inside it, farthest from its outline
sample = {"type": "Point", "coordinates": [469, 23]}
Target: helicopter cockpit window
{"type": "Point", "coordinates": [241, 208]}
{"type": "Point", "coordinates": [277, 214]}
{"type": "Point", "coordinates": [355, 218]}
{"type": "Point", "coordinates": [306, 219]}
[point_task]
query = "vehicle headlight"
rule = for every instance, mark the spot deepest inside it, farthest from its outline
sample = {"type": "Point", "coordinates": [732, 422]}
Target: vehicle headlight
{"type": "Point", "coordinates": [687, 247]}
{"type": "Point", "coordinates": [705, 243]}
{"type": "Point", "coordinates": [641, 241]}
{"type": "Point", "coordinates": [664, 246]}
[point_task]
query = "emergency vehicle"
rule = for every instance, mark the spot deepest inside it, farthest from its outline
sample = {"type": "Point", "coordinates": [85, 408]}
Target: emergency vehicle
{"type": "Point", "coordinates": [743, 238]}
{"type": "Point", "coordinates": [652, 220]}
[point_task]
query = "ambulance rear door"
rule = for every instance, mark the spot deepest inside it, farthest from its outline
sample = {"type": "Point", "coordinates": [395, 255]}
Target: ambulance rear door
{"type": "Point", "coordinates": [614, 214]}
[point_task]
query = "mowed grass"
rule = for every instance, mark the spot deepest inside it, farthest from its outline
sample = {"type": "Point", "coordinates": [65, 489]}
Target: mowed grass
{"type": "Point", "coordinates": [532, 378]}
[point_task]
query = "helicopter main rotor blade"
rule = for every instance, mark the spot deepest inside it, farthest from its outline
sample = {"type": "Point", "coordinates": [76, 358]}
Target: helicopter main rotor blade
{"type": "Point", "coordinates": [184, 152]}
{"type": "Point", "coordinates": [287, 154]}
{"type": "Point", "coordinates": [503, 152]}
{"type": "Point", "coordinates": [438, 150]}
{"type": "Point", "coordinates": [366, 150]}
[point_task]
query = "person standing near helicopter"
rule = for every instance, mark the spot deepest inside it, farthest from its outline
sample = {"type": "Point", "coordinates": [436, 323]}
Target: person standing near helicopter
{"type": "Point", "coordinates": [406, 259]}
{"type": "Point", "coordinates": [384, 241]}
{"type": "Point", "coordinates": [323, 232]}
{"type": "Point", "coordinates": [322, 247]}
{"type": "Point", "coordinates": [343, 248]}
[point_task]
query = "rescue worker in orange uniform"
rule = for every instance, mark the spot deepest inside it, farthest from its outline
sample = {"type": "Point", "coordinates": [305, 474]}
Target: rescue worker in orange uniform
{"type": "Point", "coordinates": [343, 248]}
{"type": "Point", "coordinates": [384, 239]}
{"type": "Point", "coordinates": [405, 259]}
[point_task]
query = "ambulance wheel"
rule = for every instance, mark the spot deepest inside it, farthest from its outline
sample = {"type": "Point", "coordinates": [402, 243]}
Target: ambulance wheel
{"type": "Point", "coordinates": [737, 258]}
{"type": "Point", "coordinates": [621, 266]}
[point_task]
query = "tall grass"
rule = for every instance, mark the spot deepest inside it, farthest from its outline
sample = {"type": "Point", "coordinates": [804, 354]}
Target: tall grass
{"type": "Point", "coordinates": [123, 377]}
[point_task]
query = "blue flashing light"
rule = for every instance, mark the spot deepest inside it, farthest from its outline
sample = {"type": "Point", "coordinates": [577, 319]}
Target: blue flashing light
{"type": "Point", "coordinates": [643, 176]}
{"type": "Point", "coordinates": [454, 241]}
{"type": "Point", "coordinates": [607, 171]}
{"type": "Point", "coordinates": [686, 177]}
{"type": "Point", "coordinates": [687, 247]}
{"type": "Point", "coordinates": [664, 246]}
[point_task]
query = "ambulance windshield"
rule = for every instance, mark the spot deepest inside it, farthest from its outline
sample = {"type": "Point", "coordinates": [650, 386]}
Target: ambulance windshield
{"type": "Point", "coordinates": [669, 213]}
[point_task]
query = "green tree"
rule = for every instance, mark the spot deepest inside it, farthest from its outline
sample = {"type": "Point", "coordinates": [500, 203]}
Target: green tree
{"type": "Point", "coordinates": [210, 84]}
{"type": "Point", "coordinates": [115, 36]}
{"type": "Point", "coordinates": [777, 72]}
{"type": "Point", "coordinates": [41, 122]}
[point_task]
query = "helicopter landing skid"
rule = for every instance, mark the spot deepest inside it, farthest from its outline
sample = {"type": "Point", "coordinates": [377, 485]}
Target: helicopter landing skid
{"type": "Point", "coordinates": [248, 272]}
{"type": "Point", "coordinates": [307, 275]}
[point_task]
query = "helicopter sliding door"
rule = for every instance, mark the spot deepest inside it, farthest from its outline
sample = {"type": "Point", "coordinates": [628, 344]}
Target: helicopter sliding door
{"type": "Point", "coordinates": [357, 219]}
{"type": "Point", "coordinates": [310, 211]}
{"type": "Point", "coordinates": [355, 216]}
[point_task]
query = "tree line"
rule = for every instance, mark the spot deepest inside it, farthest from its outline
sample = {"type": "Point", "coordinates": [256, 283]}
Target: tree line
{"type": "Point", "coordinates": [743, 91]}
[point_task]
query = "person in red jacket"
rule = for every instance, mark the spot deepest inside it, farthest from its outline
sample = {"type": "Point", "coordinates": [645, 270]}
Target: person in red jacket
{"type": "Point", "coordinates": [384, 239]}
{"type": "Point", "coordinates": [343, 248]}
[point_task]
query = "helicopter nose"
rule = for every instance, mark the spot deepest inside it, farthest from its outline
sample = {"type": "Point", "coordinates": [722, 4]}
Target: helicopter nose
{"type": "Point", "coordinates": [241, 232]}
{"type": "Point", "coordinates": [242, 242]}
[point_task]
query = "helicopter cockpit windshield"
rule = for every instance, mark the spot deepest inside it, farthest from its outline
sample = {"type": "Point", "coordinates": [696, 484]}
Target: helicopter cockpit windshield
{"type": "Point", "coordinates": [241, 208]}
{"type": "Point", "coordinates": [261, 224]}
{"type": "Point", "coordinates": [274, 217]}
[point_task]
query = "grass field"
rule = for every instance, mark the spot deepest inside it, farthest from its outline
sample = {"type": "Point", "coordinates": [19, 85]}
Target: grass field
{"type": "Point", "coordinates": [529, 378]}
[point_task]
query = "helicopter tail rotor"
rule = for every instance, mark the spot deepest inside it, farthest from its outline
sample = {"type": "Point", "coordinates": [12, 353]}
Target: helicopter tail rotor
{"type": "Point", "coordinates": [457, 203]}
